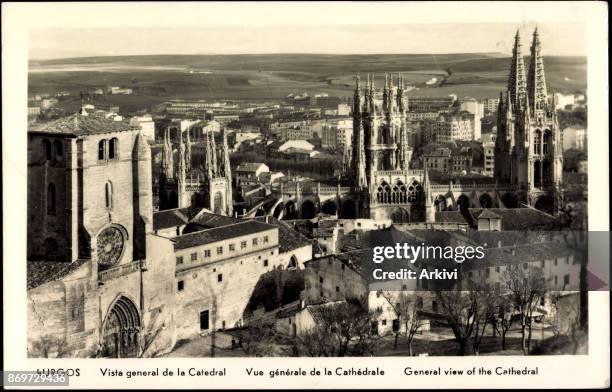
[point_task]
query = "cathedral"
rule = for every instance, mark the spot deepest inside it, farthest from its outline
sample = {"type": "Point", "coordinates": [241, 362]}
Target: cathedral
{"type": "Point", "coordinates": [528, 152]}
{"type": "Point", "coordinates": [381, 152]}
{"type": "Point", "coordinates": [185, 185]}
{"type": "Point", "coordinates": [528, 149]}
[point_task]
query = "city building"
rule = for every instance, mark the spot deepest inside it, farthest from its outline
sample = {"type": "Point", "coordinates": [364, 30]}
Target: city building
{"type": "Point", "coordinates": [574, 138]}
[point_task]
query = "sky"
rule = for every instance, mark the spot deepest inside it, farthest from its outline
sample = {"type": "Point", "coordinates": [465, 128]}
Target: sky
{"type": "Point", "coordinates": [326, 28]}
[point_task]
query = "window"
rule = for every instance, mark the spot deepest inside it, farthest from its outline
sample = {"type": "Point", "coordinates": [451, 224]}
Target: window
{"type": "Point", "coordinates": [232, 247]}
{"type": "Point", "coordinates": [255, 241]}
{"type": "Point", "coordinates": [566, 280]}
{"type": "Point", "coordinates": [265, 239]}
{"type": "Point", "coordinates": [320, 279]}
{"type": "Point", "coordinates": [567, 260]}
{"type": "Point", "coordinates": [556, 261]}
{"type": "Point", "coordinates": [496, 269]}
{"type": "Point", "coordinates": [59, 150]}
{"type": "Point", "coordinates": [204, 320]}
{"type": "Point", "coordinates": [48, 151]}
{"type": "Point", "coordinates": [219, 250]}
{"type": "Point", "coordinates": [51, 199]}
{"type": "Point", "coordinates": [194, 256]}
{"type": "Point", "coordinates": [102, 150]}
{"type": "Point", "coordinates": [266, 263]}
{"type": "Point", "coordinates": [180, 285]}
{"type": "Point", "coordinates": [220, 278]}
{"type": "Point", "coordinates": [108, 194]}
{"type": "Point", "coordinates": [384, 322]}
{"type": "Point", "coordinates": [543, 263]}
{"type": "Point", "coordinates": [243, 245]}
{"type": "Point", "coordinates": [113, 148]}
{"type": "Point", "coordinates": [419, 303]}
{"type": "Point", "coordinates": [404, 287]}
{"type": "Point", "coordinates": [556, 280]}
{"type": "Point", "coordinates": [179, 260]}
{"type": "Point", "coordinates": [337, 289]}
{"type": "Point", "coordinates": [434, 306]}
{"type": "Point", "coordinates": [487, 272]}
{"type": "Point", "coordinates": [525, 265]}
{"type": "Point", "coordinates": [207, 253]}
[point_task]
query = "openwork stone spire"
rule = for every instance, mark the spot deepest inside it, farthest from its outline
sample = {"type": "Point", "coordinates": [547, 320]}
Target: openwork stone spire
{"type": "Point", "coordinates": [516, 81]}
{"type": "Point", "coordinates": [536, 81]}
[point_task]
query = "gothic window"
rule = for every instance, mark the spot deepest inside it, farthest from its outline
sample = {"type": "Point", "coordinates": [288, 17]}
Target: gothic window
{"type": "Point", "coordinates": [108, 194]}
{"type": "Point", "coordinates": [102, 150]}
{"type": "Point", "coordinates": [51, 199]}
{"type": "Point", "coordinates": [59, 150]}
{"type": "Point", "coordinates": [113, 148]}
{"type": "Point", "coordinates": [47, 147]}
{"type": "Point", "coordinates": [414, 192]}
{"type": "Point", "coordinates": [546, 142]}
{"type": "Point", "coordinates": [537, 141]}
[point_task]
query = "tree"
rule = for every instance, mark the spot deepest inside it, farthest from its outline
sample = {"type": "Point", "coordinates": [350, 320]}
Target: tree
{"type": "Point", "coordinates": [526, 285]}
{"type": "Point", "coordinates": [256, 339]}
{"type": "Point", "coordinates": [338, 326]}
{"type": "Point", "coordinates": [459, 308]}
{"type": "Point", "coordinates": [407, 314]}
{"type": "Point", "coordinates": [486, 306]}
{"type": "Point", "coordinates": [505, 313]}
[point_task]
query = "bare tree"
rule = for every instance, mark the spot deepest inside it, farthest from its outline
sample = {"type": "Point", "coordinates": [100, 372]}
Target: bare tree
{"type": "Point", "coordinates": [338, 326]}
{"type": "Point", "coordinates": [505, 313]}
{"type": "Point", "coordinates": [459, 308]}
{"type": "Point", "coordinates": [486, 307]}
{"type": "Point", "coordinates": [407, 314]}
{"type": "Point", "coordinates": [256, 339]}
{"type": "Point", "coordinates": [526, 285]}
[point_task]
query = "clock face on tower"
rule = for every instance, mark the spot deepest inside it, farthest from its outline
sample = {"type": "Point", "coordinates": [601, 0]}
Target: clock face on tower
{"type": "Point", "coordinates": [110, 247]}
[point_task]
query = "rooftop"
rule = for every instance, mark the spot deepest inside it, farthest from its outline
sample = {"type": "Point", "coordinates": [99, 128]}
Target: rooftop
{"type": "Point", "coordinates": [41, 272]}
{"type": "Point", "coordinates": [172, 218]}
{"type": "Point", "coordinates": [82, 124]}
{"type": "Point", "coordinates": [217, 234]}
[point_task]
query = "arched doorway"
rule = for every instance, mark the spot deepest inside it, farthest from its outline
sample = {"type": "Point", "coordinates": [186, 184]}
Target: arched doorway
{"type": "Point", "coordinates": [218, 203]}
{"type": "Point", "coordinates": [400, 215]}
{"type": "Point", "coordinates": [545, 203]}
{"type": "Point", "coordinates": [440, 203]}
{"type": "Point", "coordinates": [293, 263]}
{"type": "Point", "coordinates": [510, 200]}
{"type": "Point", "coordinates": [463, 203]}
{"type": "Point", "coordinates": [329, 208]}
{"type": "Point", "coordinates": [289, 210]}
{"type": "Point", "coordinates": [120, 338]}
{"type": "Point", "coordinates": [278, 211]}
{"type": "Point", "coordinates": [308, 210]}
{"type": "Point", "coordinates": [485, 201]}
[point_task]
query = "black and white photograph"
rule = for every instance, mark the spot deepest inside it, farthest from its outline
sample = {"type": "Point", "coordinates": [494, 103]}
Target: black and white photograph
{"type": "Point", "coordinates": [290, 189]}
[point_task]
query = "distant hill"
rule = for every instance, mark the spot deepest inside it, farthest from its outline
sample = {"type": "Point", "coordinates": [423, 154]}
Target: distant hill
{"type": "Point", "coordinates": [272, 76]}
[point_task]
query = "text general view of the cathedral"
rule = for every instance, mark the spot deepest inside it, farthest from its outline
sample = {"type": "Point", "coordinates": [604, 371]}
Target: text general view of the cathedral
{"type": "Point", "coordinates": [110, 274]}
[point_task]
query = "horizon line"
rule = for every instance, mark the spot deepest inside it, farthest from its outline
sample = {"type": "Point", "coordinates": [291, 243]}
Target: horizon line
{"type": "Point", "coordinates": [291, 53]}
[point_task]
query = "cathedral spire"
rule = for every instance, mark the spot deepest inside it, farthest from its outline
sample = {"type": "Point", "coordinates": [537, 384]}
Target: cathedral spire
{"type": "Point", "coordinates": [227, 173]}
{"type": "Point", "coordinates": [188, 152]}
{"type": "Point", "coordinates": [213, 154]}
{"type": "Point", "coordinates": [516, 80]}
{"type": "Point", "coordinates": [536, 81]}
